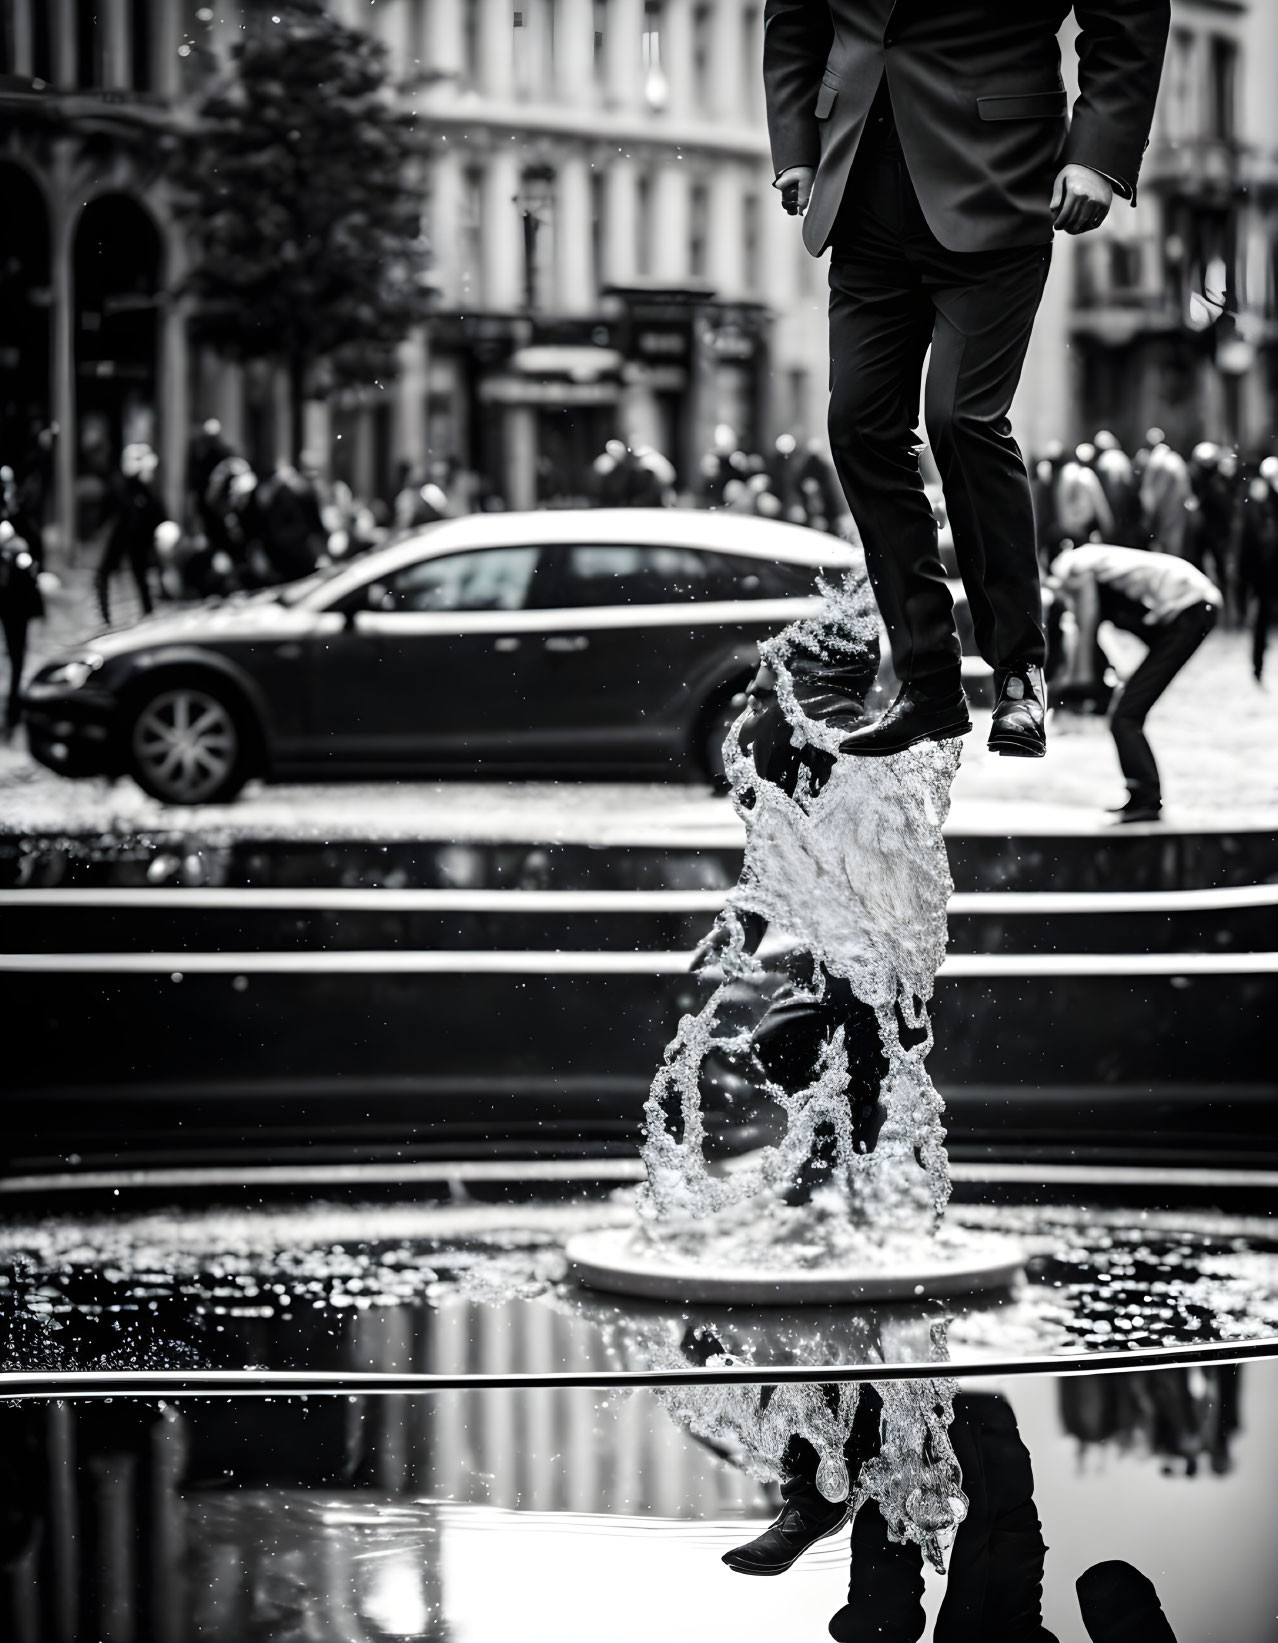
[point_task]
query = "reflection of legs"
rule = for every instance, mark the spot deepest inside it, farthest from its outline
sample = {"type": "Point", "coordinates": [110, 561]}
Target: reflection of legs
{"type": "Point", "coordinates": [995, 1585]}
{"type": "Point", "coordinates": [1170, 648]}
{"type": "Point", "coordinates": [1120, 1605]}
{"type": "Point", "coordinates": [880, 328]}
{"type": "Point", "coordinates": [885, 1584]}
{"type": "Point", "coordinates": [982, 331]}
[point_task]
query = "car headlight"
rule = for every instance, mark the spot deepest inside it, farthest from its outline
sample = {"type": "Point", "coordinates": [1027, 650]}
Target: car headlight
{"type": "Point", "coordinates": [71, 675]}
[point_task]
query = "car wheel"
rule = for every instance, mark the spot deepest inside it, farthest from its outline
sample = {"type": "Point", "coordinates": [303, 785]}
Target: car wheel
{"type": "Point", "coordinates": [716, 726]}
{"type": "Point", "coordinates": [187, 746]}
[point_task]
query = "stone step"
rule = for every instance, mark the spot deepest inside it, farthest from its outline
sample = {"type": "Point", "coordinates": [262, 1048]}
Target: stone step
{"type": "Point", "coordinates": [128, 920]}
{"type": "Point", "coordinates": [1016, 851]}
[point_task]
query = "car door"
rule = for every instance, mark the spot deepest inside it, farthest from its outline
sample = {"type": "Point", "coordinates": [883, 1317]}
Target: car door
{"type": "Point", "coordinates": [630, 631]}
{"type": "Point", "coordinates": [426, 666]}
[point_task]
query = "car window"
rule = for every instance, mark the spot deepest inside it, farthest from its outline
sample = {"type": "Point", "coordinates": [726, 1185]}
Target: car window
{"type": "Point", "coordinates": [485, 579]}
{"type": "Point", "coordinates": [621, 574]}
{"type": "Point", "coordinates": [768, 578]}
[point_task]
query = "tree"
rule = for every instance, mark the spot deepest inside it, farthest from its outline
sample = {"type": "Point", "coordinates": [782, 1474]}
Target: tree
{"type": "Point", "coordinates": [298, 183]}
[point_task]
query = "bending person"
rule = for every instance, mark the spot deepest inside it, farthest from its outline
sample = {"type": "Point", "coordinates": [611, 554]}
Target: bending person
{"type": "Point", "coordinates": [1163, 600]}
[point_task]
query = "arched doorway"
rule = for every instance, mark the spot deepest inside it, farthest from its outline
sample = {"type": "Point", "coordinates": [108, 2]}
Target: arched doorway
{"type": "Point", "coordinates": [25, 298]}
{"type": "Point", "coordinates": [117, 263]}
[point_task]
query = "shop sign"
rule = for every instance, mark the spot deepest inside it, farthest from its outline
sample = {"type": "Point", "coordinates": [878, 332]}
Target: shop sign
{"type": "Point", "coordinates": [729, 342]}
{"type": "Point", "coordinates": [662, 344]}
{"type": "Point", "coordinates": [505, 390]}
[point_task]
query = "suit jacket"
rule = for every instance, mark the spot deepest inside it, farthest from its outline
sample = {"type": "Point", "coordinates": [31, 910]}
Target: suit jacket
{"type": "Point", "coordinates": [978, 97]}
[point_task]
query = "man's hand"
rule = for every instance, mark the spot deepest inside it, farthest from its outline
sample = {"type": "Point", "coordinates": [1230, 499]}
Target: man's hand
{"type": "Point", "coordinates": [795, 183]}
{"type": "Point", "coordinates": [1080, 198]}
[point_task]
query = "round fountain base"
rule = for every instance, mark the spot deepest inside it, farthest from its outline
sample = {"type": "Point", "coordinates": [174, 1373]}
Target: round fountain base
{"type": "Point", "coordinates": [624, 1263]}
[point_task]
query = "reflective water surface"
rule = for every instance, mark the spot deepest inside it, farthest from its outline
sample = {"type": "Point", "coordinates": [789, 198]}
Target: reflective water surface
{"type": "Point", "coordinates": [564, 1513]}
{"type": "Point", "coordinates": [481, 1288]}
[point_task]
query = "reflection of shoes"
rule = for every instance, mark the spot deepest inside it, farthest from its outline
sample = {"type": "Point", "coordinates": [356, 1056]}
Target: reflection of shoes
{"type": "Point", "coordinates": [1019, 708]}
{"type": "Point", "coordinates": [914, 716]}
{"type": "Point", "coordinates": [1138, 810]}
{"type": "Point", "coordinates": [785, 1541]}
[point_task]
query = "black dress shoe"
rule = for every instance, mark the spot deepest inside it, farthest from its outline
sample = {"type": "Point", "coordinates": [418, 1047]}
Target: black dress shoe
{"type": "Point", "coordinates": [915, 716]}
{"type": "Point", "coordinates": [783, 1542]}
{"type": "Point", "coordinates": [1020, 707]}
{"type": "Point", "coordinates": [1138, 810]}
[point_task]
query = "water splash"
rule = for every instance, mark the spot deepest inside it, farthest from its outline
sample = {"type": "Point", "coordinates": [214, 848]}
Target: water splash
{"type": "Point", "coordinates": [821, 969]}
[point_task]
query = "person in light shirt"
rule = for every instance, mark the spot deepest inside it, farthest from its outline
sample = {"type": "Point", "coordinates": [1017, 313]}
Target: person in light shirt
{"type": "Point", "coordinates": [1166, 602]}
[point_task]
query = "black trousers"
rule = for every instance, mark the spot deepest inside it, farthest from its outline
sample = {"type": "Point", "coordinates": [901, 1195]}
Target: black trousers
{"type": "Point", "coordinates": [1170, 647]}
{"type": "Point", "coordinates": [995, 1585]}
{"type": "Point", "coordinates": [15, 638]}
{"type": "Point", "coordinates": [133, 550]}
{"type": "Point", "coordinates": [895, 291]}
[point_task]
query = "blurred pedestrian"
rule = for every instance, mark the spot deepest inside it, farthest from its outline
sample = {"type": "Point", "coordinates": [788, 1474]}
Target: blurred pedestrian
{"type": "Point", "coordinates": [21, 561]}
{"type": "Point", "coordinates": [1166, 499]}
{"type": "Point", "coordinates": [1258, 558]}
{"type": "Point", "coordinates": [205, 451]}
{"type": "Point", "coordinates": [131, 542]}
{"type": "Point", "coordinates": [1122, 491]}
{"type": "Point", "coordinates": [1164, 601]}
{"type": "Point", "coordinates": [633, 478]}
{"type": "Point", "coordinates": [292, 527]}
{"type": "Point", "coordinates": [1082, 510]}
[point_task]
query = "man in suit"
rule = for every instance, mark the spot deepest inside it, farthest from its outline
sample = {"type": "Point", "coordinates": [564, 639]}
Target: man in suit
{"type": "Point", "coordinates": [929, 146]}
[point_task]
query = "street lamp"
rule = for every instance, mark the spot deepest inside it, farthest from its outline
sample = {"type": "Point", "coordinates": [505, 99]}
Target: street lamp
{"type": "Point", "coordinates": [535, 200]}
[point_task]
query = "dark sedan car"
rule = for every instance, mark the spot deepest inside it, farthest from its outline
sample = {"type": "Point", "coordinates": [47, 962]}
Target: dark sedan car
{"type": "Point", "coordinates": [562, 642]}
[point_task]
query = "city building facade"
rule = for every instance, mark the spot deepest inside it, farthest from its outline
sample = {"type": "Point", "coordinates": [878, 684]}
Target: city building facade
{"type": "Point", "coordinates": [609, 256]}
{"type": "Point", "coordinates": [1167, 315]}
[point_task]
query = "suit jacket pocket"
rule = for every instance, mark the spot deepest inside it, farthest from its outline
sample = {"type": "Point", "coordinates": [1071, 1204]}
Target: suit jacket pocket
{"type": "Point", "coordinates": [825, 100]}
{"type": "Point", "coordinates": [1024, 105]}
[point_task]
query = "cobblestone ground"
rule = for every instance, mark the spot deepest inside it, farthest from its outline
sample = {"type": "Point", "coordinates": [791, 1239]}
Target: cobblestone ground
{"type": "Point", "coordinates": [1214, 733]}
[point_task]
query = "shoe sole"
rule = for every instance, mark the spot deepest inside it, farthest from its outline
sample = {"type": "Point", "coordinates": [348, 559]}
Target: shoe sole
{"type": "Point", "coordinates": [1010, 749]}
{"type": "Point", "coordinates": [926, 736]}
{"type": "Point", "coordinates": [780, 1568]}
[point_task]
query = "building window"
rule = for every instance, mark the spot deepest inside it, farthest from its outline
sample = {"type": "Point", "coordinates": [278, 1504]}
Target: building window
{"type": "Point", "coordinates": [750, 241]}
{"type": "Point", "coordinates": [88, 42]}
{"type": "Point", "coordinates": [537, 201]}
{"type": "Point", "coordinates": [698, 210]}
{"type": "Point", "coordinates": [598, 206]}
{"type": "Point", "coordinates": [797, 383]}
{"type": "Point", "coordinates": [643, 226]}
{"type": "Point", "coordinates": [522, 49]}
{"type": "Point", "coordinates": [41, 43]}
{"type": "Point", "coordinates": [1178, 85]}
{"type": "Point", "coordinates": [599, 14]}
{"type": "Point", "coordinates": [702, 29]}
{"type": "Point", "coordinates": [1222, 110]}
{"type": "Point", "coordinates": [1126, 268]}
{"type": "Point", "coordinates": [417, 33]}
{"type": "Point", "coordinates": [472, 50]}
{"type": "Point", "coordinates": [141, 46]}
{"type": "Point", "coordinates": [470, 237]}
{"type": "Point", "coordinates": [751, 54]}
{"type": "Point", "coordinates": [656, 88]}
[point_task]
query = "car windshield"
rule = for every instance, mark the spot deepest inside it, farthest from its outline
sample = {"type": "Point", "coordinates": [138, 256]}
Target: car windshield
{"type": "Point", "coordinates": [292, 593]}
